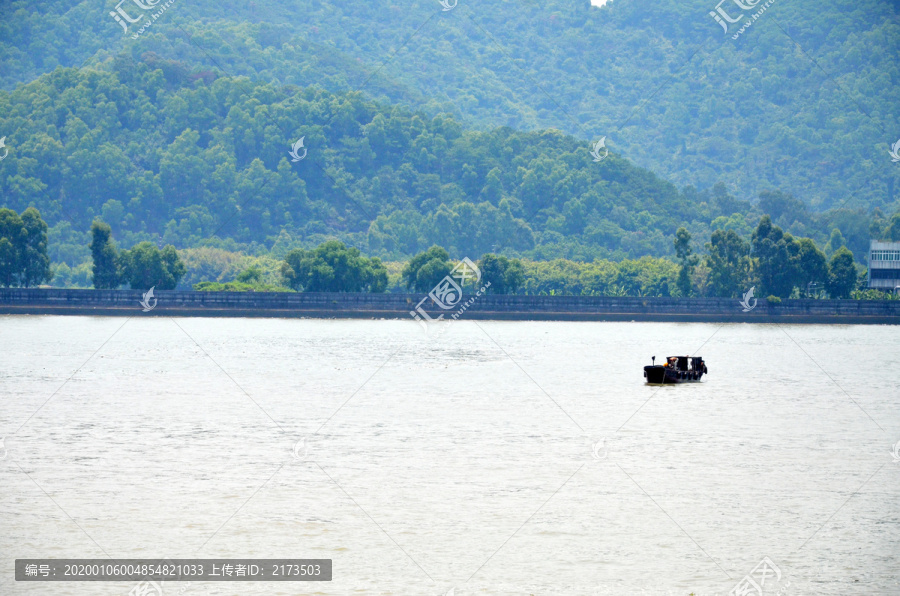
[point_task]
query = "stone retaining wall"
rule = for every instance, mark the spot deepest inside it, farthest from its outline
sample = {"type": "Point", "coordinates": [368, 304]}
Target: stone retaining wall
{"type": "Point", "coordinates": [344, 305]}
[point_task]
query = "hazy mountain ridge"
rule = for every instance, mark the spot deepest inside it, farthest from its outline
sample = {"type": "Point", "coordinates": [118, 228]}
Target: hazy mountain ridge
{"type": "Point", "coordinates": [157, 152]}
{"type": "Point", "coordinates": [754, 113]}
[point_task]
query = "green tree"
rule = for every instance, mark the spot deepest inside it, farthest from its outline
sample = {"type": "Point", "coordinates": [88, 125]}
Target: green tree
{"type": "Point", "coordinates": [781, 206]}
{"type": "Point", "coordinates": [211, 264]}
{"type": "Point", "coordinates": [12, 240]}
{"type": "Point", "coordinates": [812, 265]}
{"type": "Point", "coordinates": [426, 269]}
{"type": "Point", "coordinates": [685, 254]}
{"type": "Point", "coordinates": [35, 263]}
{"type": "Point", "coordinates": [251, 275]}
{"type": "Point", "coordinates": [9, 262]}
{"type": "Point", "coordinates": [835, 241]}
{"type": "Point", "coordinates": [333, 267]}
{"type": "Point", "coordinates": [647, 276]}
{"type": "Point", "coordinates": [841, 274]}
{"type": "Point", "coordinates": [146, 266]}
{"type": "Point", "coordinates": [776, 253]}
{"type": "Point", "coordinates": [505, 275]}
{"type": "Point", "coordinates": [893, 229]}
{"type": "Point", "coordinates": [728, 259]}
{"type": "Point", "coordinates": [105, 257]}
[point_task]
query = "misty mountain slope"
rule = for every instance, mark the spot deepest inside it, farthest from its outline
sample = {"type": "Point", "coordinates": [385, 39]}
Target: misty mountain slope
{"type": "Point", "coordinates": [161, 153]}
{"type": "Point", "coordinates": [166, 154]}
{"type": "Point", "coordinates": [666, 86]}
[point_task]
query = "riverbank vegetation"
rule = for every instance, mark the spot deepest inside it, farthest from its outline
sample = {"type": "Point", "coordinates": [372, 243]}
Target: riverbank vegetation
{"type": "Point", "coordinates": [772, 261]}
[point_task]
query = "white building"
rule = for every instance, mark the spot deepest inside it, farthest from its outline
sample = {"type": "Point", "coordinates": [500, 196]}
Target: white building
{"type": "Point", "coordinates": [884, 266]}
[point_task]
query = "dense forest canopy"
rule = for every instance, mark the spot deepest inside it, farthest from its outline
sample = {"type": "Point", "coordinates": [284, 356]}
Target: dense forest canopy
{"type": "Point", "coordinates": [162, 155]}
{"type": "Point", "coordinates": [269, 129]}
{"type": "Point", "coordinates": [805, 101]}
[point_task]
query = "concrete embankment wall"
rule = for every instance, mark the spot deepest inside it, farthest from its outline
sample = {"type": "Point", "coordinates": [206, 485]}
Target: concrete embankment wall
{"type": "Point", "coordinates": [393, 306]}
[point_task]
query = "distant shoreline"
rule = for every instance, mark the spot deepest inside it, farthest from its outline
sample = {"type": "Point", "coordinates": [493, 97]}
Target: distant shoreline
{"type": "Point", "coordinates": [399, 306]}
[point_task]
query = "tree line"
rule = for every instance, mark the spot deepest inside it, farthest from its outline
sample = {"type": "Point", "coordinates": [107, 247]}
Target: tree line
{"type": "Point", "coordinates": [770, 259]}
{"type": "Point", "coordinates": [142, 267]}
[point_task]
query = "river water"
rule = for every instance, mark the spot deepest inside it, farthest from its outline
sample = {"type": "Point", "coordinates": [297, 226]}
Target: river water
{"type": "Point", "coordinates": [489, 458]}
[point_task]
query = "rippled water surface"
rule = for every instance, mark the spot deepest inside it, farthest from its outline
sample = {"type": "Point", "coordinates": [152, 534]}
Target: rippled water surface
{"type": "Point", "coordinates": [496, 458]}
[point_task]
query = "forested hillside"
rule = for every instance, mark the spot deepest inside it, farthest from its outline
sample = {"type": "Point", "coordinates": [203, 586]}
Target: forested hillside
{"type": "Point", "coordinates": [164, 155]}
{"type": "Point", "coordinates": [153, 151]}
{"type": "Point", "coordinates": [806, 100]}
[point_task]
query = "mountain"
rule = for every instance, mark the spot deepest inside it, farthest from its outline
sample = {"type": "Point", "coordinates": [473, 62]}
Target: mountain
{"type": "Point", "coordinates": [156, 151]}
{"type": "Point", "coordinates": [805, 100]}
{"type": "Point", "coordinates": [183, 134]}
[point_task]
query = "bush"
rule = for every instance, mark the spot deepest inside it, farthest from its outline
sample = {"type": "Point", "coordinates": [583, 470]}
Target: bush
{"type": "Point", "coordinates": [237, 286]}
{"type": "Point", "coordinates": [504, 275]}
{"type": "Point", "coordinates": [427, 269]}
{"type": "Point", "coordinates": [72, 277]}
{"type": "Point", "coordinates": [873, 295]}
{"type": "Point", "coordinates": [332, 267]}
{"type": "Point", "coordinates": [146, 266]}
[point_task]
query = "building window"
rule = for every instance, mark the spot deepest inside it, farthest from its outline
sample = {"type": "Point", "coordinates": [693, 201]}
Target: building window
{"type": "Point", "coordinates": [885, 255]}
{"type": "Point", "coordinates": [885, 273]}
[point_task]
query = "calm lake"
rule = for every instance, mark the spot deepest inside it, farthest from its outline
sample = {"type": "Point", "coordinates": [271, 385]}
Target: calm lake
{"type": "Point", "coordinates": [489, 458]}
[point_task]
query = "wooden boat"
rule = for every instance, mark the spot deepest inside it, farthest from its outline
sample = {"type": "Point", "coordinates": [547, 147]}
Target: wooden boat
{"type": "Point", "coordinates": [677, 369]}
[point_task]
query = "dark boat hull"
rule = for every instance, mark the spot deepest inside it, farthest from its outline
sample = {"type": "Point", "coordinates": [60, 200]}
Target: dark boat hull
{"type": "Point", "coordinates": [663, 375]}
